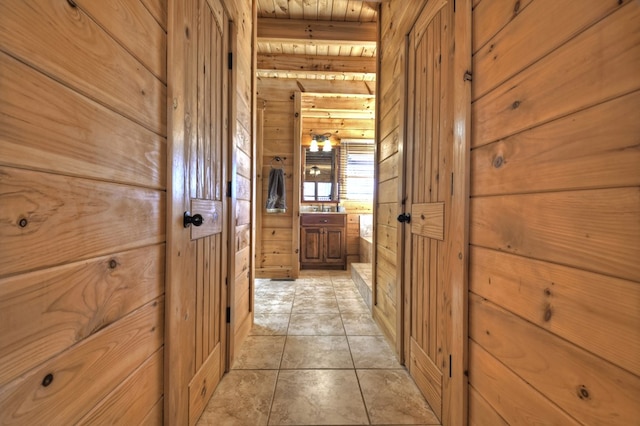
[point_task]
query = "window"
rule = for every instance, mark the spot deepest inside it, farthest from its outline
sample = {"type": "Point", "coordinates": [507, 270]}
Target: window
{"type": "Point", "coordinates": [356, 170]}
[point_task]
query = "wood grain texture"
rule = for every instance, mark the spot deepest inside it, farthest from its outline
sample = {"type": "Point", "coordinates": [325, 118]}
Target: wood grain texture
{"type": "Point", "coordinates": [357, 33]}
{"type": "Point", "coordinates": [132, 400]}
{"type": "Point", "coordinates": [67, 219]}
{"type": "Point", "coordinates": [107, 73]}
{"type": "Point", "coordinates": [155, 416]}
{"type": "Point", "coordinates": [553, 297]}
{"type": "Point", "coordinates": [586, 387]}
{"type": "Point", "coordinates": [117, 350]}
{"type": "Point", "coordinates": [45, 312]}
{"type": "Point", "coordinates": [494, 16]}
{"type": "Point", "coordinates": [427, 220]}
{"type": "Point", "coordinates": [596, 230]}
{"type": "Point", "coordinates": [524, 406]}
{"type": "Point", "coordinates": [181, 254]}
{"type": "Point", "coordinates": [212, 214]}
{"type": "Point", "coordinates": [594, 148]}
{"type": "Point", "coordinates": [481, 412]}
{"type": "Point", "coordinates": [133, 26]}
{"type": "Point", "coordinates": [268, 88]}
{"type": "Point", "coordinates": [158, 8]}
{"type": "Point", "coordinates": [48, 127]}
{"type": "Point", "coordinates": [598, 64]}
{"type": "Point", "coordinates": [203, 384]}
{"type": "Point", "coordinates": [540, 28]}
{"type": "Point", "coordinates": [427, 376]}
{"type": "Point", "coordinates": [315, 64]}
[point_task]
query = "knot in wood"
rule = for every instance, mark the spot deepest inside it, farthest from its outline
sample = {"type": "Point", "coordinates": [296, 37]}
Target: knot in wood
{"type": "Point", "coordinates": [498, 162]}
{"type": "Point", "coordinates": [548, 312]}
{"type": "Point", "coordinates": [23, 222]}
{"type": "Point", "coordinates": [515, 105]}
{"type": "Point", "coordinates": [47, 380]}
{"type": "Point", "coordinates": [583, 392]}
{"type": "Point", "coordinates": [516, 7]}
{"type": "Point", "coordinates": [113, 264]}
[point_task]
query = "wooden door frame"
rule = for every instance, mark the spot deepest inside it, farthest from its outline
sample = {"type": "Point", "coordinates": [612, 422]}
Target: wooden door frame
{"type": "Point", "coordinates": [456, 413]}
{"type": "Point", "coordinates": [231, 195]}
{"type": "Point", "coordinates": [455, 410]}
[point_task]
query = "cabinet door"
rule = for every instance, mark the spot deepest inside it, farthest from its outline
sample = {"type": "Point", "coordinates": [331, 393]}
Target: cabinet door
{"type": "Point", "coordinates": [334, 245]}
{"type": "Point", "coordinates": [312, 245]}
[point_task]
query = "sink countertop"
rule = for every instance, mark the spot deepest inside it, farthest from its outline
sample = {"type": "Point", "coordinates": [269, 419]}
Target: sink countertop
{"type": "Point", "coordinates": [323, 213]}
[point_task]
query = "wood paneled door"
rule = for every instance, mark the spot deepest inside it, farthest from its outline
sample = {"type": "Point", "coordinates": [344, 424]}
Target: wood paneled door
{"type": "Point", "coordinates": [197, 262]}
{"type": "Point", "coordinates": [428, 178]}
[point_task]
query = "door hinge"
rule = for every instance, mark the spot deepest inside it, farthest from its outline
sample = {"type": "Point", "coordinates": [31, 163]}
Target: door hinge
{"type": "Point", "coordinates": [229, 318]}
{"type": "Point", "coordinates": [230, 60]}
{"type": "Point", "coordinates": [449, 363]}
{"type": "Point", "coordinates": [229, 189]}
{"type": "Point", "coordinates": [452, 184]}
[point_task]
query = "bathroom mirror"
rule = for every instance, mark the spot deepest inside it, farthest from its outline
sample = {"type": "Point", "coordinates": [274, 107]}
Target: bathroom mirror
{"type": "Point", "coordinates": [320, 177]}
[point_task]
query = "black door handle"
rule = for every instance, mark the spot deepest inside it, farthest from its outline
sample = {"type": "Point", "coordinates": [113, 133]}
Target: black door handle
{"type": "Point", "coordinates": [404, 218]}
{"type": "Point", "coordinates": [196, 219]}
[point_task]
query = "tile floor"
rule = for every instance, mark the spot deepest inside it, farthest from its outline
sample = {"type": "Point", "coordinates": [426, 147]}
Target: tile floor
{"type": "Point", "coordinates": [315, 357]}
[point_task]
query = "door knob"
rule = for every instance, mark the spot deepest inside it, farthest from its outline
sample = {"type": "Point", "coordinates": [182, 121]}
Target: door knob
{"type": "Point", "coordinates": [196, 219]}
{"type": "Point", "coordinates": [404, 218]}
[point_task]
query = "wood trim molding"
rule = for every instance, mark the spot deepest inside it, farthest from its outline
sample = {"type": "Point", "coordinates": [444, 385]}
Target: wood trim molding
{"type": "Point", "coordinates": [456, 411]}
{"type": "Point", "coordinates": [356, 33]}
{"type": "Point", "coordinates": [316, 64]}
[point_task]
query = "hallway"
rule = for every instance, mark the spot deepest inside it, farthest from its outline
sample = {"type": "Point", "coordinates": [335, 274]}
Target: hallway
{"type": "Point", "coordinates": [315, 357]}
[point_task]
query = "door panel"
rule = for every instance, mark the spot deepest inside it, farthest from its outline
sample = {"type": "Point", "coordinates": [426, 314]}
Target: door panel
{"type": "Point", "coordinates": [334, 249]}
{"type": "Point", "coordinates": [197, 260]}
{"type": "Point", "coordinates": [427, 188]}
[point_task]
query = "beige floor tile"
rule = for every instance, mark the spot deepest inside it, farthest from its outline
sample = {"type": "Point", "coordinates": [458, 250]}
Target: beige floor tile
{"type": "Point", "coordinates": [270, 325]}
{"type": "Point", "coordinates": [315, 305]}
{"type": "Point", "coordinates": [275, 296]}
{"type": "Point", "coordinates": [360, 324]}
{"type": "Point", "coordinates": [266, 307]}
{"type": "Point", "coordinates": [353, 306]}
{"type": "Point", "coordinates": [317, 397]}
{"type": "Point", "coordinates": [347, 292]}
{"type": "Point", "coordinates": [315, 325]}
{"type": "Point", "coordinates": [260, 352]}
{"type": "Point", "coordinates": [243, 398]}
{"type": "Point", "coordinates": [324, 291]}
{"type": "Point", "coordinates": [392, 398]}
{"type": "Point", "coordinates": [372, 352]}
{"type": "Point", "coordinates": [316, 352]}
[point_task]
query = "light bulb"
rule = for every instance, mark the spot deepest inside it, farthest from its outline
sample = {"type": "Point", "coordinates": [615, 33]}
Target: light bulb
{"type": "Point", "coordinates": [326, 147]}
{"type": "Point", "coordinates": [314, 145]}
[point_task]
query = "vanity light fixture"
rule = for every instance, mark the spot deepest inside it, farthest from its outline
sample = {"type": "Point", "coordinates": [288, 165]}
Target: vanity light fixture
{"type": "Point", "coordinates": [324, 138]}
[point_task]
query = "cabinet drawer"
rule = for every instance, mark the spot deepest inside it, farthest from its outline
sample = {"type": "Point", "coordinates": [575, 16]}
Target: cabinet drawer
{"type": "Point", "coordinates": [322, 220]}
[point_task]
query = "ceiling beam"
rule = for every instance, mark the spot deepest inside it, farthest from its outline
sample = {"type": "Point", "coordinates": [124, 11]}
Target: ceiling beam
{"type": "Point", "coordinates": [304, 63]}
{"type": "Point", "coordinates": [287, 30]}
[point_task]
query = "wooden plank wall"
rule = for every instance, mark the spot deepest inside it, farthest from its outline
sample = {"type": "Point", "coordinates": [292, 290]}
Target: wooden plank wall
{"type": "Point", "coordinates": [82, 211]}
{"type": "Point", "coordinates": [276, 98]}
{"type": "Point", "coordinates": [554, 304]}
{"type": "Point", "coordinates": [396, 20]}
{"type": "Point", "coordinates": [242, 126]}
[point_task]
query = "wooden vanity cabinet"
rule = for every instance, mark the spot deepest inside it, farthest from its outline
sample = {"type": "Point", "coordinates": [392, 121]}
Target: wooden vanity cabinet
{"type": "Point", "coordinates": [323, 241]}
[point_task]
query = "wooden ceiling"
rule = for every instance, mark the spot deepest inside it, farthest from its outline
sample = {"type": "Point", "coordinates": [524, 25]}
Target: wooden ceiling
{"type": "Point", "coordinates": [317, 39]}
